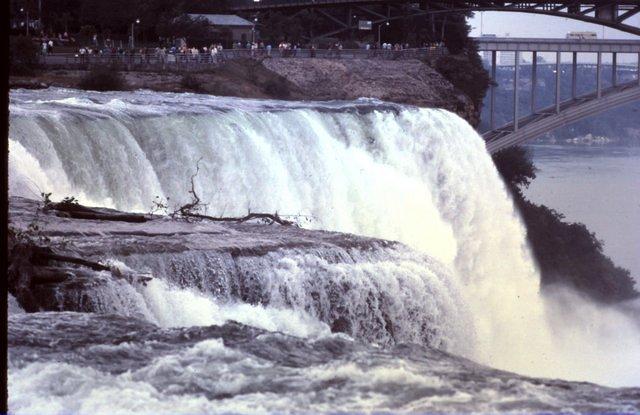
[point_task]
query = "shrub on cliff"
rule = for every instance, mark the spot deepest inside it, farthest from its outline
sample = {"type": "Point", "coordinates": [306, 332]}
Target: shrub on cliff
{"type": "Point", "coordinates": [102, 79]}
{"type": "Point", "coordinates": [277, 88]}
{"type": "Point", "coordinates": [23, 55]}
{"type": "Point", "coordinates": [189, 81]}
{"type": "Point", "coordinates": [567, 253]}
{"type": "Point", "coordinates": [463, 66]}
{"type": "Point", "coordinates": [466, 73]}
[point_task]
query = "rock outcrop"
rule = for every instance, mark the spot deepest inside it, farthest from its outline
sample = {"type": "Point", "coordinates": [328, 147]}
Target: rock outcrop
{"type": "Point", "coordinates": [410, 82]}
{"type": "Point", "coordinates": [402, 81]}
{"type": "Point", "coordinates": [58, 262]}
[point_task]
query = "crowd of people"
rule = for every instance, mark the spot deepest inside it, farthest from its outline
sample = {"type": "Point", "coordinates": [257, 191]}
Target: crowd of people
{"type": "Point", "coordinates": [49, 41]}
{"type": "Point", "coordinates": [214, 53]}
{"type": "Point", "coordinates": [180, 51]}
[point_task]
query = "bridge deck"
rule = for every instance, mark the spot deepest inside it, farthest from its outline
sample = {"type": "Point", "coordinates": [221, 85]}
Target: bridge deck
{"type": "Point", "coordinates": [558, 45]}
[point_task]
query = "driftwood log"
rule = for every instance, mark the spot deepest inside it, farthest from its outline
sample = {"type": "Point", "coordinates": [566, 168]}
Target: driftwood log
{"type": "Point", "coordinates": [77, 211]}
{"type": "Point", "coordinates": [268, 216]}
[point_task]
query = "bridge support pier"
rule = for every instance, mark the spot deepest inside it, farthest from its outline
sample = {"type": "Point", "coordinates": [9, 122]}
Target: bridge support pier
{"type": "Point", "coordinates": [492, 101]}
{"type": "Point", "coordinates": [599, 76]}
{"type": "Point", "coordinates": [614, 69]}
{"type": "Point", "coordinates": [516, 76]}
{"type": "Point", "coordinates": [558, 72]}
{"type": "Point", "coordinates": [574, 76]}
{"type": "Point", "coordinates": [534, 80]}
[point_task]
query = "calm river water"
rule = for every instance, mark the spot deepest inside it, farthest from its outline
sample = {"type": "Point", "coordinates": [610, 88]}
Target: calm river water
{"type": "Point", "coordinates": [598, 186]}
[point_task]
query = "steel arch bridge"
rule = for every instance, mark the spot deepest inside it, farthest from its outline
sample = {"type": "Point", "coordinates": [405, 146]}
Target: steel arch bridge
{"type": "Point", "coordinates": [547, 119]}
{"type": "Point", "coordinates": [613, 14]}
{"type": "Point", "coordinates": [562, 113]}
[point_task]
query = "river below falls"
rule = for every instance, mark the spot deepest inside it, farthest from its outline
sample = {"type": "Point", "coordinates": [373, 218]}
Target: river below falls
{"type": "Point", "coordinates": [598, 186]}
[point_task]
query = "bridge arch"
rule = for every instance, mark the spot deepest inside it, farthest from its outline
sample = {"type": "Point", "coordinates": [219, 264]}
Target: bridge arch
{"type": "Point", "coordinates": [545, 120]}
{"type": "Point", "coordinates": [562, 113]}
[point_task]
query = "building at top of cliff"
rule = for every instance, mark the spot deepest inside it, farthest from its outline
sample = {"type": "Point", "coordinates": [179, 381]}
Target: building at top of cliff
{"type": "Point", "coordinates": [230, 27]}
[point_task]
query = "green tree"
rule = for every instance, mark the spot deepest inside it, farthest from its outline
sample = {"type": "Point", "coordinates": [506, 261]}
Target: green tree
{"type": "Point", "coordinates": [184, 26]}
{"type": "Point", "coordinates": [23, 55]}
{"type": "Point", "coordinates": [567, 253]}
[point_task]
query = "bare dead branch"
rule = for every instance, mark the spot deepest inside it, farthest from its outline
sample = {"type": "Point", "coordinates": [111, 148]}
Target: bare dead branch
{"type": "Point", "coordinates": [274, 218]}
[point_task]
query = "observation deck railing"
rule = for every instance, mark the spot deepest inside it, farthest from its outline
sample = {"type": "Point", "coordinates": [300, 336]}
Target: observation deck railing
{"type": "Point", "coordinates": [203, 61]}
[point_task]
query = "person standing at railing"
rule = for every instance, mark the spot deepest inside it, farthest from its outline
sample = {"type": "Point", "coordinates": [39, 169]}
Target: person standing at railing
{"type": "Point", "coordinates": [269, 50]}
{"type": "Point", "coordinates": [213, 51]}
{"type": "Point", "coordinates": [221, 57]}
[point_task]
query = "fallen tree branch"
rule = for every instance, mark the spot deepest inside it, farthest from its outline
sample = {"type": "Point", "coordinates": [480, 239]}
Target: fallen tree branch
{"type": "Point", "coordinates": [191, 209]}
{"type": "Point", "coordinates": [274, 218]}
{"type": "Point", "coordinates": [95, 215]}
{"type": "Point", "coordinates": [74, 260]}
{"type": "Point", "coordinates": [77, 211]}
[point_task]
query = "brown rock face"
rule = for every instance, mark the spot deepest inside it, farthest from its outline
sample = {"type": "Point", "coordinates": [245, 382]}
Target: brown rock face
{"type": "Point", "coordinates": [403, 81]}
{"type": "Point", "coordinates": [407, 82]}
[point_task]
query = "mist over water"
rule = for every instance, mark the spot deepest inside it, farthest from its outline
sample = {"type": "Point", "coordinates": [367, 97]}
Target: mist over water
{"type": "Point", "coordinates": [418, 176]}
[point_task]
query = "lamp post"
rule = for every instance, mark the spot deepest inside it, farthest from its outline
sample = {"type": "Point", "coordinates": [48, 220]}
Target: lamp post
{"type": "Point", "coordinates": [27, 13]}
{"type": "Point", "coordinates": [253, 31]}
{"type": "Point", "coordinates": [380, 27]}
{"type": "Point", "coordinates": [133, 36]}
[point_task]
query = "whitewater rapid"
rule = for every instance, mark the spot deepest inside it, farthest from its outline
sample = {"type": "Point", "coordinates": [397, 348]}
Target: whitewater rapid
{"type": "Point", "coordinates": [418, 176]}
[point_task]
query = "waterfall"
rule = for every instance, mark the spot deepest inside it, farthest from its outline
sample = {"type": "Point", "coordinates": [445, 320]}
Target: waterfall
{"type": "Point", "coordinates": [418, 176]}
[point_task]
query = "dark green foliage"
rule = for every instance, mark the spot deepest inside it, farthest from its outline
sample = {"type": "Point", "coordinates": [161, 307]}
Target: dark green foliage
{"type": "Point", "coordinates": [567, 253]}
{"type": "Point", "coordinates": [463, 66]}
{"type": "Point", "coordinates": [515, 166]}
{"type": "Point", "coordinates": [456, 33]}
{"type": "Point", "coordinates": [102, 79]}
{"type": "Point", "coordinates": [466, 73]}
{"type": "Point", "coordinates": [23, 55]}
{"type": "Point", "coordinates": [194, 30]}
{"type": "Point", "coordinates": [276, 27]}
{"type": "Point", "coordinates": [189, 81]}
{"type": "Point", "coordinates": [277, 88]}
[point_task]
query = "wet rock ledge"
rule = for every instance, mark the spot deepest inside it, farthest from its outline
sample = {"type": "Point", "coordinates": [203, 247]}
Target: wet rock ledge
{"type": "Point", "coordinates": [58, 258]}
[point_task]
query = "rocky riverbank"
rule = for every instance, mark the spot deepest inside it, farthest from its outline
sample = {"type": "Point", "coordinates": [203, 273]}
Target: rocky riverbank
{"type": "Point", "coordinates": [403, 81]}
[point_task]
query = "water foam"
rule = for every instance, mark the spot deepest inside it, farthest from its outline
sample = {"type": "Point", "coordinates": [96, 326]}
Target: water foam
{"type": "Point", "coordinates": [169, 306]}
{"type": "Point", "coordinates": [419, 176]}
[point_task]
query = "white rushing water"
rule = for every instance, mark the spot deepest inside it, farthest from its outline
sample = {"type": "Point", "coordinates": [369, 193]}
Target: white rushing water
{"type": "Point", "coordinates": [419, 176]}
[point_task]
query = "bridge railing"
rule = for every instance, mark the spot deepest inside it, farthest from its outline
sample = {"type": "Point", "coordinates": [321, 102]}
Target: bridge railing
{"type": "Point", "coordinates": [202, 61]}
{"type": "Point", "coordinates": [266, 4]}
